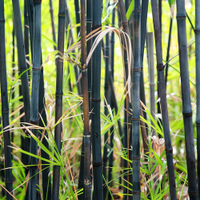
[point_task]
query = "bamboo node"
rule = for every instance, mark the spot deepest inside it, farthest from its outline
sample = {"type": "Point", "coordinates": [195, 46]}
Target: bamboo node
{"type": "Point", "coordinates": [5, 111]}
{"type": "Point", "coordinates": [169, 150]}
{"type": "Point", "coordinates": [59, 95]}
{"type": "Point", "coordinates": [124, 23]}
{"type": "Point", "coordinates": [197, 30]}
{"type": "Point", "coordinates": [135, 158]}
{"type": "Point", "coordinates": [86, 136]}
{"type": "Point", "coordinates": [36, 68]}
{"type": "Point", "coordinates": [8, 181]}
{"type": "Point", "coordinates": [96, 26]}
{"type": "Point", "coordinates": [88, 21]}
{"type": "Point", "coordinates": [136, 70]}
{"type": "Point", "coordinates": [187, 114]}
{"type": "Point", "coordinates": [135, 119]}
{"type": "Point", "coordinates": [2, 20]}
{"type": "Point", "coordinates": [84, 70]}
{"type": "Point", "coordinates": [198, 124]}
{"type": "Point", "coordinates": [180, 16]}
{"type": "Point", "coordinates": [95, 100]}
{"type": "Point", "coordinates": [34, 122]}
{"type": "Point", "coordinates": [96, 164]}
{"type": "Point", "coordinates": [37, 1]}
{"type": "Point", "coordinates": [137, 11]}
{"type": "Point", "coordinates": [135, 192]}
{"type": "Point", "coordinates": [192, 193]}
{"type": "Point", "coordinates": [160, 67]}
{"type": "Point", "coordinates": [61, 15]}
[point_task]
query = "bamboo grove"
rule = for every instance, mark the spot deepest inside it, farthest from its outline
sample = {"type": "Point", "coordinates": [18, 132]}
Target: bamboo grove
{"type": "Point", "coordinates": [89, 110]}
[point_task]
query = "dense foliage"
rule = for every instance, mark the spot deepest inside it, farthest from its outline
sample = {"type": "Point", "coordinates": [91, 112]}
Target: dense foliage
{"type": "Point", "coordinates": [98, 107]}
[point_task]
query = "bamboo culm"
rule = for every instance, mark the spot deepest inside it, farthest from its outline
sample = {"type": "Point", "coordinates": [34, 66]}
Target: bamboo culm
{"type": "Point", "coordinates": [21, 58]}
{"type": "Point", "coordinates": [197, 51]}
{"type": "Point", "coordinates": [150, 54]}
{"type": "Point", "coordinates": [168, 49]}
{"type": "Point", "coordinates": [112, 51]}
{"type": "Point", "coordinates": [59, 94]}
{"type": "Point", "coordinates": [87, 135]}
{"type": "Point", "coordinates": [144, 10]}
{"type": "Point", "coordinates": [160, 71]}
{"type": "Point", "coordinates": [186, 105]}
{"type": "Point", "coordinates": [126, 103]}
{"type": "Point", "coordinates": [136, 102]}
{"type": "Point", "coordinates": [76, 3]}
{"type": "Point", "coordinates": [52, 22]}
{"type": "Point", "coordinates": [5, 106]}
{"type": "Point", "coordinates": [89, 44]}
{"type": "Point", "coordinates": [106, 103]}
{"type": "Point", "coordinates": [96, 98]}
{"type": "Point", "coordinates": [125, 138]}
{"type": "Point", "coordinates": [13, 76]}
{"type": "Point", "coordinates": [45, 170]}
{"type": "Point", "coordinates": [68, 21]}
{"type": "Point", "coordinates": [34, 118]}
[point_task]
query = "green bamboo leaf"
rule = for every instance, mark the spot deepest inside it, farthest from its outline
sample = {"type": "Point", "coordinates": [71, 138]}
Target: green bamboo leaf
{"type": "Point", "coordinates": [190, 21]}
{"type": "Point", "coordinates": [50, 40]}
{"type": "Point", "coordinates": [107, 187]}
{"type": "Point", "coordinates": [130, 10]}
{"type": "Point", "coordinates": [171, 2]}
{"type": "Point", "coordinates": [35, 156]}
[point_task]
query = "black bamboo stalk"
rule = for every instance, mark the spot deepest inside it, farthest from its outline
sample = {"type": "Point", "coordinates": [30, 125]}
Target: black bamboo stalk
{"type": "Point", "coordinates": [52, 22]}
{"type": "Point", "coordinates": [25, 141]}
{"type": "Point", "coordinates": [89, 42]}
{"type": "Point", "coordinates": [26, 35]}
{"type": "Point", "coordinates": [126, 104]}
{"type": "Point", "coordinates": [87, 135]}
{"type": "Point", "coordinates": [13, 76]}
{"type": "Point", "coordinates": [160, 15]}
{"type": "Point", "coordinates": [168, 50]}
{"type": "Point", "coordinates": [158, 89]}
{"type": "Point", "coordinates": [106, 103]}
{"type": "Point", "coordinates": [77, 13]}
{"type": "Point", "coordinates": [46, 184]}
{"type": "Point", "coordinates": [112, 51]}
{"type": "Point", "coordinates": [68, 21]}
{"type": "Point", "coordinates": [124, 22]}
{"type": "Point", "coordinates": [29, 4]}
{"type": "Point", "coordinates": [34, 118]}
{"type": "Point", "coordinates": [5, 105]}
{"type": "Point", "coordinates": [70, 38]}
{"type": "Point", "coordinates": [24, 87]}
{"type": "Point", "coordinates": [81, 173]}
{"type": "Point", "coordinates": [136, 102]}
{"type": "Point", "coordinates": [144, 10]}
{"type": "Point", "coordinates": [59, 94]}
{"type": "Point", "coordinates": [160, 71]}
{"type": "Point", "coordinates": [46, 178]}
{"type": "Point", "coordinates": [197, 50]}
{"type": "Point", "coordinates": [144, 134]}
{"type": "Point", "coordinates": [96, 98]}
{"type": "Point", "coordinates": [126, 139]}
{"type": "Point", "coordinates": [76, 4]}
{"type": "Point", "coordinates": [150, 50]}
{"type": "Point", "coordinates": [21, 58]}
{"type": "Point", "coordinates": [186, 106]}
